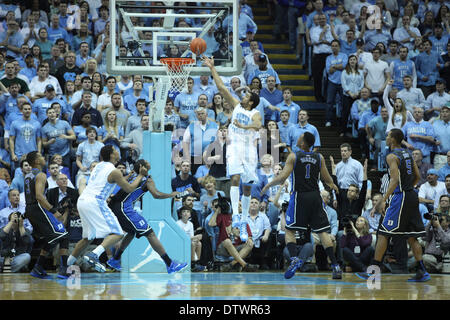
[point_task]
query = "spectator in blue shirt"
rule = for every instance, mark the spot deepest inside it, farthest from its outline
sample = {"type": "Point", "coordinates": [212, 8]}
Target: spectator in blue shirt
{"type": "Point", "coordinates": [268, 112]}
{"type": "Point", "coordinates": [284, 125]}
{"type": "Point", "coordinates": [297, 130]}
{"type": "Point", "coordinates": [40, 106]}
{"type": "Point", "coordinates": [334, 65]}
{"type": "Point", "coordinates": [348, 46]}
{"type": "Point", "coordinates": [439, 40]}
{"type": "Point", "coordinates": [29, 70]}
{"type": "Point", "coordinates": [55, 32]}
{"type": "Point", "coordinates": [376, 131]}
{"type": "Point", "coordinates": [366, 117]}
{"type": "Point", "coordinates": [372, 37]}
{"type": "Point", "coordinates": [198, 135]}
{"type": "Point", "coordinates": [24, 136]}
{"type": "Point", "coordinates": [373, 215]}
{"type": "Point", "coordinates": [419, 134]}
{"type": "Point", "coordinates": [57, 136]}
{"type": "Point", "coordinates": [318, 6]}
{"type": "Point", "coordinates": [444, 171]}
{"type": "Point", "coordinates": [289, 105]}
{"type": "Point", "coordinates": [18, 181]}
{"type": "Point", "coordinates": [129, 100]}
{"type": "Point", "coordinates": [99, 25]}
{"type": "Point", "coordinates": [402, 67]}
{"type": "Point", "coordinates": [12, 39]}
{"type": "Point", "coordinates": [186, 102]}
{"type": "Point", "coordinates": [263, 71]}
{"type": "Point", "coordinates": [270, 92]}
{"type": "Point", "coordinates": [428, 64]}
{"type": "Point", "coordinates": [442, 131]}
{"type": "Point", "coordinates": [244, 23]}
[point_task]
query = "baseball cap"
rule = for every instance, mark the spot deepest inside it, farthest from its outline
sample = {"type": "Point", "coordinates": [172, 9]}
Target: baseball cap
{"type": "Point", "coordinates": [447, 106]}
{"type": "Point", "coordinates": [49, 87]}
{"type": "Point", "coordinates": [432, 171]}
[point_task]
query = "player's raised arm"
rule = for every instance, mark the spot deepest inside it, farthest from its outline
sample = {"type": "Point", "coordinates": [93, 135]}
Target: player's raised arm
{"type": "Point", "coordinates": [284, 174]}
{"type": "Point", "coordinates": [325, 175]}
{"type": "Point", "coordinates": [209, 62]}
{"type": "Point", "coordinates": [416, 172]}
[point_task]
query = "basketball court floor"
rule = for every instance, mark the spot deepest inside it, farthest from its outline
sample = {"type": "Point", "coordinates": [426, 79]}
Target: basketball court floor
{"type": "Point", "coordinates": [219, 286]}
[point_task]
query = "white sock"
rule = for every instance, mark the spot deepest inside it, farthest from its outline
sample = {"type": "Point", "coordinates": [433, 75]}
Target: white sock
{"type": "Point", "coordinates": [99, 250]}
{"type": "Point", "coordinates": [245, 205]}
{"type": "Point", "coordinates": [71, 260]}
{"type": "Point", "coordinates": [234, 197]}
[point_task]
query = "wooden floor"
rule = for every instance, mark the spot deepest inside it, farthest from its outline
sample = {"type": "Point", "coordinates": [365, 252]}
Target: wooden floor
{"type": "Point", "coordinates": [219, 286]}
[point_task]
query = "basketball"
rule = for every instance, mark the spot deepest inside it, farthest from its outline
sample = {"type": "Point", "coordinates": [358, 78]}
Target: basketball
{"type": "Point", "coordinates": [198, 46]}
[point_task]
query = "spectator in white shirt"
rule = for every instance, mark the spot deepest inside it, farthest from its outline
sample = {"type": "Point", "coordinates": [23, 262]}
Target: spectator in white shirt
{"type": "Point", "coordinates": [377, 74]}
{"type": "Point", "coordinates": [429, 191]}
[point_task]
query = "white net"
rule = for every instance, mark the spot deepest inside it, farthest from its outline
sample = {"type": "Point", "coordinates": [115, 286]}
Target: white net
{"type": "Point", "coordinates": [178, 70]}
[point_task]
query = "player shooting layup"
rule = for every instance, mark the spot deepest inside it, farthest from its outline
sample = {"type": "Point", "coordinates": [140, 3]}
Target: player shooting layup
{"type": "Point", "coordinates": [242, 155]}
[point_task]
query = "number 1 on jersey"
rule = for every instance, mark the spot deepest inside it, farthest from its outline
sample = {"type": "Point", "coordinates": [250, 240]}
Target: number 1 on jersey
{"type": "Point", "coordinates": [308, 169]}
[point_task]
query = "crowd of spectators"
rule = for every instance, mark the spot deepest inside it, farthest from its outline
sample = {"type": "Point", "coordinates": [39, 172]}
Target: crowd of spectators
{"type": "Point", "coordinates": [376, 65]}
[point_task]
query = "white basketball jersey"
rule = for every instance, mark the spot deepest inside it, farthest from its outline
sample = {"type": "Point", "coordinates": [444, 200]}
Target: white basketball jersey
{"type": "Point", "coordinates": [98, 186]}
{"type": "Point", "coordinates": [244, 117]}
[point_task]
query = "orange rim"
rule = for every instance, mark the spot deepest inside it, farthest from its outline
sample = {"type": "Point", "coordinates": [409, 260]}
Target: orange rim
{"type": "Point", "coordinates": [176, 63]}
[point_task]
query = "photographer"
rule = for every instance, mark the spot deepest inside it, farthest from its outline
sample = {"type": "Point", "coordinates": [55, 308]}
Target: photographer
{"type": "Point", "coordinates": [15, 243]}
{"type": "Point", "coordinates": [350, 205]}
{"type": "Point", "coordinates": [229, 242]}
{"type": "Point", "coordinates": [356, 245]}
{"type": "Point", "coordinates": [444, 205]}
{"type": "Point", "coordinates": [437, 241]}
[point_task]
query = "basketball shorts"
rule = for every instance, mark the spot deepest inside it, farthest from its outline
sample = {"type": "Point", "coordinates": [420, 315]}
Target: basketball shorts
{"type": "Point", "coordinates": [97, 219]}
{"type": "Point", "coordinates": [131, 221]}
{"type": "Point", "coordinates": [306, 209]}
{"type": "Point", "coordinates": [242, 161]}
{"type": "Point", "coordinates": [44, 223]}
{"type": "Point", "coordinates": [402, 216]}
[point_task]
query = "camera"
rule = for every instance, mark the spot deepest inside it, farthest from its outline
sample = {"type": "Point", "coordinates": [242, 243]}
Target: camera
{"type": "Point", "coordinates": [346, 223]}
{"type": "Point", "coordinates": [285, 206]}
{"type": "Point", "coordinates": [65, 204]}
{"type": "Point", "coordinates": [302, 236]}
{"type": "Point", "coordinates": [224, 204]}
{"type": "Point", "coordinates": [133, 45]}
{"type": "Point", "coordinates": [431, 216]}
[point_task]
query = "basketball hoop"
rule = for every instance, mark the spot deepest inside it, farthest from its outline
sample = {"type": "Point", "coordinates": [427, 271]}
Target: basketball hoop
{"type": "Point", "coordinates": [178, 70]}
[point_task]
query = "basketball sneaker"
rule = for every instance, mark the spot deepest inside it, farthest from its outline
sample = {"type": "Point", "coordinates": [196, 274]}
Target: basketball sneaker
{"type": "Point", "coordinates": [363, 275]}
{"type": "Point", "coordinates": [39, 272]}
{"type": "Point", "coordinates": [92, 259]}
{"type": "Point", "coordinates": [337, 272]}
{"type": "Point", "coordinates": [296, 263]}
{"type": "Point", "coordinates": [250, 268]}
{"type": "Point", "coordinates": [62, 272]}
{"type": "Point", "coordinates": [235, 220]}
{"type": "Point", "coordinates": [421, 276]}
{"type": "Point", "coordinates": [115, 264]}
{"type": "Point", "coordinates": [176, 266]}
{"type": "Point", "coordinates": [243, 231]}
